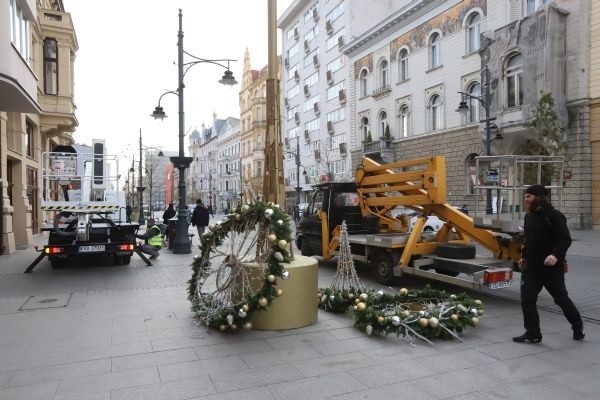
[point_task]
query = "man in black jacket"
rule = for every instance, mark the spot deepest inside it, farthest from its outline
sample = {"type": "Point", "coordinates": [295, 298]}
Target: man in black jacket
{"type": "Point", "coordinates": [547, 239]}
{"type": "Point", "coordinates": [200, 217]}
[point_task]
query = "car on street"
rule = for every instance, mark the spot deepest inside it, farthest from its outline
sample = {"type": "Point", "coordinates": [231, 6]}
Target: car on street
{"type": "Point", "coordinates": [433, 223]}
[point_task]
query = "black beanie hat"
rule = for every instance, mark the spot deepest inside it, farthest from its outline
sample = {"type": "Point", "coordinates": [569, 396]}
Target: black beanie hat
{"type": "Point", "coordinates": [536, 190]}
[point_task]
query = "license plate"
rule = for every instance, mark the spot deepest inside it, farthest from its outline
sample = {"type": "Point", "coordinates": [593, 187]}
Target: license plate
{"type": "Point", "coordinates": [92, 248]}
{"type": "Point", "coordinates": [499, 285]}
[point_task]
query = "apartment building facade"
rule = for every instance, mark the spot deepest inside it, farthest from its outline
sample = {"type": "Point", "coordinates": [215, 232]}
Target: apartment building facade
{"type": "Point", "coordinates": [594, 68]}
{"type": "Point", "coordinates": [37, 109]}
{"type": "Point", "coordinates": [314, 87]}
{"type": "Point", "coordinates": [229, 177]}
{"type": "Point", "coordinates": [253, 127]}
{"type": "Point", "coordinates": [406, 72]}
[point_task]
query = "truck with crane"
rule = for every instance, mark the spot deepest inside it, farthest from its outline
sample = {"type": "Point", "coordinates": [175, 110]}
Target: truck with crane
{"type": "Point", "coordinates": [381, 235]}
{"type": "Point", "coordinates": [87, 211]}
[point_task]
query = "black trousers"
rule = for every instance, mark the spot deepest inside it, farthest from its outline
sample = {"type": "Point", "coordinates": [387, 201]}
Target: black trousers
{"type": "Point", "coordinates": [553, 279]}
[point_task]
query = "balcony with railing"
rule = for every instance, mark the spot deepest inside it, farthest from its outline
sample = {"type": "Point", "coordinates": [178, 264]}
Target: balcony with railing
{"type": "Point", "coordinates": [381, 92]}
{"type": "Point", "coordinates": [379, 149]}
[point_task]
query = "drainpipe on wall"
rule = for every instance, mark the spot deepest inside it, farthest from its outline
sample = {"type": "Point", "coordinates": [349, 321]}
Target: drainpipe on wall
{"type": "Point", "coordinates": [1, 202]}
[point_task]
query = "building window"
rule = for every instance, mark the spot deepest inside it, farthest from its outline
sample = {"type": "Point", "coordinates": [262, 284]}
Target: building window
{"type": "Point", "coordinates": [473, 32]}
{"type": "Point", "coordinates": [435, 58]}
{"type": "Point", "coordinates": [514, 80]}
{"type": "Point", "coordinates": [28, 138]}
{"type": "Point", "coordinates": [532, 5]}
{"type": "Point", "coordinates": [474, 89]}
{"type": "Point", "coordinates": [403, 119]}
{"type": "Point", "coordinates": [364, 129]}
{"type": "Point", "coordinates": [435, 112]}
{"type": "Point", "coordinates": [50, 66]}
{"type": "Point", "coordinates": [383, 123]}
{"type": "Point", "coordinates": [403, 65]}
{"type": "Point", "coordinates": [363, 83]}
{"type": "Point", "coordinates": [19, 30]}
{"type": "Point", "coordinates": [383, 74]}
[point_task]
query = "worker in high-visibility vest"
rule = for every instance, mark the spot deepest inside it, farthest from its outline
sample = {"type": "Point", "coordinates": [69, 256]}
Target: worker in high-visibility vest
{"type": "Point", "coordinates": [153, 239]}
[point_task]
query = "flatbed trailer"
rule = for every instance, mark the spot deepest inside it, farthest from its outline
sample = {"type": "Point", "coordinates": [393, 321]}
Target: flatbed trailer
{"type": "Point", "coordinates": [384, 240]}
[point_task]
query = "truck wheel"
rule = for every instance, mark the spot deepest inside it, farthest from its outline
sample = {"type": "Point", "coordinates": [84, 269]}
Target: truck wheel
{"type": "Point", "coordinates": [428, 229]}
{"type": "Point", "coordinates": [456, 251]}
{"type": "Point", "coordinates": [304, 247]}
{"type": "Point", "coordinates": [121, 260]}
{"type": "Point", "coordinates": [384, 267]}
{"type": "Point", "coordinates": [58, 263]}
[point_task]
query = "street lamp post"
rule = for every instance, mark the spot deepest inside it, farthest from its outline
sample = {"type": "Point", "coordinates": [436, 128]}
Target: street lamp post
{"type": "Point", "coordinates": [141, 188]}
{"type": "Point", "coordinates": [298, 188]}
{"type": "Point", "coordinates": [485, 101]}
{"type": "Point", "coordinates": [182, 243]}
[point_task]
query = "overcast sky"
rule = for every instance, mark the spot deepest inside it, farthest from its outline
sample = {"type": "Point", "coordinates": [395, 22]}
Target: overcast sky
{"type": "Point", "coordinates": [127, 58]}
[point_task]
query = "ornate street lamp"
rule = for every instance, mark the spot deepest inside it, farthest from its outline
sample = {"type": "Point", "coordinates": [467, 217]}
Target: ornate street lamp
{"type": "Point", "coordinates": [486, 101]}
{"type": "Point", "coordinates": [182, 243]}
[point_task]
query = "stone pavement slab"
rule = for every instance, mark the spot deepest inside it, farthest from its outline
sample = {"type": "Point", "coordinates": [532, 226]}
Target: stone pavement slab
{"type": "Point", "coordinates": [127, 333]}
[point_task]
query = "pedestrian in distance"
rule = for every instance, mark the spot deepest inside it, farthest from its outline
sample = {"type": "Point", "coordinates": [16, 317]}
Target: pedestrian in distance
{"type": "Point", "coordinates": [167, 215]}
{"type": "Point", "coordinates": [152, 238]}
{"type": "Point", "coordinates": [543, 264]}
{"type": "Point", "coordinates": [200, 217]}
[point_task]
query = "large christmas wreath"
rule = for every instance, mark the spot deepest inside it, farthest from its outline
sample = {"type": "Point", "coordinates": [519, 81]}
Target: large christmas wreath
{"type": "Point", "coordinates": [221, 288]}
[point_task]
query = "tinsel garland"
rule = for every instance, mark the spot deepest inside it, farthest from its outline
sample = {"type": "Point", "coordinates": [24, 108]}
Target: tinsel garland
{"type": "Point", "coordinates": [278, 235]}
{"type": "Point", "coordinates": [412, 314]}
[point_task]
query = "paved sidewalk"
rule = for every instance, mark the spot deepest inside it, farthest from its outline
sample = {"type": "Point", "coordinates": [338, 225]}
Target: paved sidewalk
{"type": "Point", "coordinates": [126, 332]}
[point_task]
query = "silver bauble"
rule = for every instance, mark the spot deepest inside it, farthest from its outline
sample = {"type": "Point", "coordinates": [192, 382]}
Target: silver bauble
{"type": "Point", "coordinates": [396, 320]}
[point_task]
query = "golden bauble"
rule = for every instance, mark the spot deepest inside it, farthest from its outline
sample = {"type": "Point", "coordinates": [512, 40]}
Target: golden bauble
{"type": "Point", "coordinates": [245, 308]}
{"type": "Point", "coordinates": [405, 314]}
{"type": "Point", "coordinates": [350, 296]}
{"type": "Point", "coordinates": [454, 317]}
{"type": "Point", "coordinates": [222, 328]}
{"type": "Point", "coordinates": [272, 238]}
{"type": "Point", "coordinates": [423, 322]}
{"type": "Point", "coordinates": [233, 327]}
{"type": "Point", "coordinates": [481, 311]}
{"type": "Point", "coordinates": [363, 297]}
{"type": "Point", "coordinates": [282, 244]}
{"type": "Point", "coordinates": [361, 307]}
{"type": "Point", "coordinates": [271, 278]}
{"type": "Point", "coordinates": [355, 308]}
{"type": "Point", "coordinates": [279, 292]}
{"type": "Point", "coordinates": [403, 292]}
{"type": "Point", "coordinates": [356, 301]}
{"type": "Point", "coordinates": [380, 319]}
{"type": "Point", "coordinates": [434, 322]}
{"type": "Point", "coordinates": [263, 301]}
{"type": "Point", "coordinates": [478, 302]}
{"type": "Point", "coordinates": [475, 321]}
{"type": "Point", "coordinates": [247, 325]}
{"type": "Point", "coordinates": [245, 208]}
{"type": "Point", "coordinates": [237, 217]}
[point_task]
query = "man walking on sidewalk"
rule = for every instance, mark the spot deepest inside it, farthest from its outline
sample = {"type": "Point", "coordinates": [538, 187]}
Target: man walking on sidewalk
{"type": "Point", "coordinates": [547, 239]}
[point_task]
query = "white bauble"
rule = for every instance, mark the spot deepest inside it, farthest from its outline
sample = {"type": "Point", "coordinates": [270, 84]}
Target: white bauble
{"type": "Point", "coordinates": [396, 320]}
{"type": "Point", "coordinates": [278, 256]}
{"type": "Point", "coordinates": [229, 319]}
{"type": "Point", "coordinates": [474, 311]}
{"type": "Point", "coordinates": [285, 275]}
{"type": "Point", "coordinates": [211, 227]}
{"type": "Point", "coordinates": [434, 322]}
{"type": "Point", "coordinates": [242, 313]}
{"type": "Point", "coordinates": [369, 330]}
{"type": "Point", "coordinates": [268, 213]}
{"type": "Point", "coordinates": [380, 292]}
{"type": "Point", "coordinates": [279, 222]}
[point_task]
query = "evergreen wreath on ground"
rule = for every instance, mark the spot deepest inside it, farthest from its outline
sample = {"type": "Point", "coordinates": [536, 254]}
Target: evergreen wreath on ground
{"type": "Point", "coordinates": [220, 288]}
{"type": "Point", "coordinates": [412, 314]}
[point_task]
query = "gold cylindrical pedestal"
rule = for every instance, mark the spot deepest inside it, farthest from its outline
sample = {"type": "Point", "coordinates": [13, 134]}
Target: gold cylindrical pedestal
{"type": "Point", "coordinates": [297, 306]}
